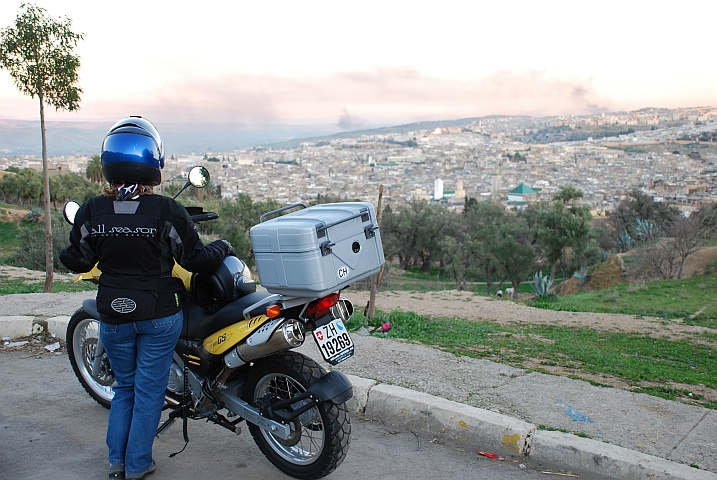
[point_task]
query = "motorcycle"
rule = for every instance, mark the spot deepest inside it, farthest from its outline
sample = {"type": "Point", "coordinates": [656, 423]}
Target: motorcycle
{"type": "Point", "coordinates": [234, 360]}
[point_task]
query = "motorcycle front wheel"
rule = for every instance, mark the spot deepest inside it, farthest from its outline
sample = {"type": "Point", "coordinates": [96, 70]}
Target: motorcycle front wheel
{"type": "Point", "coordinates": [320, 437]}
{"type": "Point", "coordinates": [83, 331]}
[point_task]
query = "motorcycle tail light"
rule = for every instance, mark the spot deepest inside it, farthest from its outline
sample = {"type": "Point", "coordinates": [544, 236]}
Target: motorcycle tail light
{"type": "Point", "coordinates": [319, 308]}
{"type": "Point", "coordinates": [273, 311]}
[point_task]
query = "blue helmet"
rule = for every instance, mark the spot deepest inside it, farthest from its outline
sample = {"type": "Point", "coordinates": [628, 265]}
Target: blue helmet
{"type": "Point", "coordinates": [132, 152]}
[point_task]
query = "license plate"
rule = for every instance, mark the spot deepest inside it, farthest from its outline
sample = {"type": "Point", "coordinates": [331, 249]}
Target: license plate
{"type": "Point", "coordinates": [334, 341]}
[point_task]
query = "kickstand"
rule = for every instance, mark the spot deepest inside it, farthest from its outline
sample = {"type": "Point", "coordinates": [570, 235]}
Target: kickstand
{"type": "Point", "coordinates": [185, 412]}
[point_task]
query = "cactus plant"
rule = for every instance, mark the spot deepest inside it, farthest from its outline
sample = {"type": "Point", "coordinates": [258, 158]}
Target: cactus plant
{"type": "Point", "coordinates": [582, 276]}
{"type": "Point", "coordinates": [541, 285]}
{"type": "Point", "coordinates": [624, 241]}
{"type": "Point", "coordinates": [645, 230]}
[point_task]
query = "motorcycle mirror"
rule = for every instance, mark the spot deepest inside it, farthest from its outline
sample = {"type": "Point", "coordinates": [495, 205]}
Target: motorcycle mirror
{"type": "Point", "coordinates": [198, 177]}
{"type": "Point", "coordinates": [69, 211]}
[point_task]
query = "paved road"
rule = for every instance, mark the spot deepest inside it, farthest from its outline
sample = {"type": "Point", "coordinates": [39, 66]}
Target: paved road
{"type": "Point", "coordinates": [51, 429]}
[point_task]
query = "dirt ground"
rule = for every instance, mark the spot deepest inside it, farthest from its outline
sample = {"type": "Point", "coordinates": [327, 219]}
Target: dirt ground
{"type": "Point", "coordinates": [465, 305]}
{"type": "Point", "coordinates": [31, 276]}
{"type": "Point", "coordinates": [13, 215]}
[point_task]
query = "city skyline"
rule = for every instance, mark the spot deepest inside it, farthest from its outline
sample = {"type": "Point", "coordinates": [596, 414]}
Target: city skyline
{"type": "Point", "coordinates": [359, 65]}
{"type": "Point", "coordinates": [669, 154]}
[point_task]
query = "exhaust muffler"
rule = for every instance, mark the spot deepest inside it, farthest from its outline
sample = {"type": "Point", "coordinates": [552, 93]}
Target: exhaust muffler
{"type": "Point", "coordinates": [290, 334]}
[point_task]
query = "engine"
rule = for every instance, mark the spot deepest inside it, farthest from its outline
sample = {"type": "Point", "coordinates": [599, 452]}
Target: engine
{"type": "Point", "coordinates": [176, 379]}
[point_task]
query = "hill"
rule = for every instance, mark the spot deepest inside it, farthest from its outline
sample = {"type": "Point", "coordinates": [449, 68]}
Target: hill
{"type": "Point", "coordinates": [20, 137]}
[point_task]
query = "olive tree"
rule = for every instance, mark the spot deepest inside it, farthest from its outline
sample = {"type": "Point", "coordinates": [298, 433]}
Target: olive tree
{"type": "Point", "coordinates": [38, 54]}
{"type": "Point", "coordinates": [482, 220]}
{"type": "Point", "coordinates": [563, 225]}
{"type": "Point", "coordinates": [514, 251]}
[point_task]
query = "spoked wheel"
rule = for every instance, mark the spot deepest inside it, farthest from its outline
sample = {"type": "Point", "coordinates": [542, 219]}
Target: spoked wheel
{"type": "Point", "coordinates": [320, 437]}
{"type": "Point", "coordinates": [83, 332]}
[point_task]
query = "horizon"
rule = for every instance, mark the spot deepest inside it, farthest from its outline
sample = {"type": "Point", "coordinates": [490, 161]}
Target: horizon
{"type": "Point", "coordinates": [81, 137]}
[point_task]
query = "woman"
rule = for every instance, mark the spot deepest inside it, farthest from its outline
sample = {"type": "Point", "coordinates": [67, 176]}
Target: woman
{"type": "Point", "coordinates": [135, 237]}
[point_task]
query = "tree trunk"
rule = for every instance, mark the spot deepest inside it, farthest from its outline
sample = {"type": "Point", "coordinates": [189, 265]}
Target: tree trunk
{"type": "Point", "coordinates": [46, 191]}
{"type": "Point", "coordinates": [682, 267]}
{"type": "Point", "coordinates": [516, 286]}
{"type": "Point", "coordinates": [374, 287]}
{"type": "Point", "coordinates": [552, 272]}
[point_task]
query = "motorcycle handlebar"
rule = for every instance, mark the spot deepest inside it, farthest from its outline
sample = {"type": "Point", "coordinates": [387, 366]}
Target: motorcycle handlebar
{"type": "Point", "coordinates": [203, 217]}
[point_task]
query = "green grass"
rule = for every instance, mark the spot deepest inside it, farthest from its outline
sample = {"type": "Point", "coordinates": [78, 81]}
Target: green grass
{"type": "Point", "coordinates": [437, 280]}
{"type": "Point", "coordinates": [8, 286]}
{"type": "Point", "coordinates": [668, 299]}
{"type": "Point", "coordinates": [9, 240]}
{"type": "Point", "coordinates": [415, 280]}
{"type": "Point", "coordinates": [630, 357]}
{"type": "Point", "coordinates": [668, 392]}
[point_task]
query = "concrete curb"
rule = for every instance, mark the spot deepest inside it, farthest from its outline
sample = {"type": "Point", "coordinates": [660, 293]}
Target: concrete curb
{"type": "Point", "coordinates": [476, 428]}
{"type": "Point", "coordinates": [484, 430]}
{"type": "Point", "coordinates": [446, 419]}
{"type": "Point", "coordinates": [585, 455]}
{"type": "Point", "coordinates": [16, 326]}
{"type": "Point", "coordinates": [361, 387]}
{"type": "Point", "coordinates": [22, 326]}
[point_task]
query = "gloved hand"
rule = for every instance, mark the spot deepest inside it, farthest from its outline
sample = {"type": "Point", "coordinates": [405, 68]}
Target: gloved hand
{"type": "Point", "coordinates": [231, 249]}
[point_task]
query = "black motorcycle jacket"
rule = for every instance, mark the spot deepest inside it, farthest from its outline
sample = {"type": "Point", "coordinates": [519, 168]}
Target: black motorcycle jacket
{"type": "Point", "coordinates": [135, 243]}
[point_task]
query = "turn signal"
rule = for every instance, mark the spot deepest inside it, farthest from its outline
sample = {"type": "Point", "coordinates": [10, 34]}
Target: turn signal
{"type": "Point", "coordinates": [273, 311]}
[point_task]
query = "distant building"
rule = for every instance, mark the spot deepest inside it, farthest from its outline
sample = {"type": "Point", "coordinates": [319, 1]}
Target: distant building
{"type": "Point", "coordinates": [495, 186]}
{"type": "Point", "coordinates": [460, 193]}
{"type": "Point", "coordinates": [438, 189]}
{"type": "Point", "coordinates": [521, 195]}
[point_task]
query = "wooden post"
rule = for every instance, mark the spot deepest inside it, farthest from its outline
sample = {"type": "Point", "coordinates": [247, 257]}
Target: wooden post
{"type": "Point", "coordinates": [371, 307]}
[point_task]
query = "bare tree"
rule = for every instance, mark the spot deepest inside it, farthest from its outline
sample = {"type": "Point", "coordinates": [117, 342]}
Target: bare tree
{"type": "Point", "coordinates": [689, 234]}
{"type": "Point", "coordinates": [657, 258]}
{"type": "Point", "coordinates": [38, 54]}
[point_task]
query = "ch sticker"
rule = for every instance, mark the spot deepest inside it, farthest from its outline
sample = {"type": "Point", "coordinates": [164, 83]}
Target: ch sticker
{"type": "Point", "coordinates": [343, 272]}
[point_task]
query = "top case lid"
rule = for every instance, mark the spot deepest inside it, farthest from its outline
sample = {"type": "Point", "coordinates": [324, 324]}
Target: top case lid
{"type": "Point", "coordinates": [305, 230]}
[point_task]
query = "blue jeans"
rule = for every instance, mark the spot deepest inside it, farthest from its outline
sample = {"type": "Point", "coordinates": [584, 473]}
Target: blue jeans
{"type": "Point", "coordinates": [140, 354]}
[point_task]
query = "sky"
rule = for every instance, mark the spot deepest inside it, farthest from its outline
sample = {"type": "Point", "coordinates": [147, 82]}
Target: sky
{"type": "Point", "coordinates": [359, 64]}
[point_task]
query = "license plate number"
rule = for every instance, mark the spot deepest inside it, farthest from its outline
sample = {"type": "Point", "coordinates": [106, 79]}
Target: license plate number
{"type": "Point", "coordinates": [334, 341]}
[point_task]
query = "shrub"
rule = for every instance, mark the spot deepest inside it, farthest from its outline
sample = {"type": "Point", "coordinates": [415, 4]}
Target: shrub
{"type": "Point", "coordinates": [31, 252]}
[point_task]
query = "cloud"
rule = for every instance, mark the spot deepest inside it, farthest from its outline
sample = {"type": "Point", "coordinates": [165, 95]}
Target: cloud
{"type": "Point", "coordinates": [388, 95]}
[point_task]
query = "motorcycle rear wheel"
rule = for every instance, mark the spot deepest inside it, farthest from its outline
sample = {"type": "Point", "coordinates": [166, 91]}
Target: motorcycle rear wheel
{"type": "Point", "coordinates": [82, 334]}
{"type": "Point", "coordinates": [322, 434]}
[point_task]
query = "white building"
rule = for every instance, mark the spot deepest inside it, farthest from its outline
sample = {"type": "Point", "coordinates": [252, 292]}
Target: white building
{"type": "Point", "coordinates": [438, 189]}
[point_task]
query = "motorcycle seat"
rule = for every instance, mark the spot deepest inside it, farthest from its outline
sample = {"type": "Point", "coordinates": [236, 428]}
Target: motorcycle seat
{"type": "Point", "coordinates": [199, 324]}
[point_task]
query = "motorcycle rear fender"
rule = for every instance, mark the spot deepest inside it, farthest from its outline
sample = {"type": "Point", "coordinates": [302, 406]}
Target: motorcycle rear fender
{"type": "Point", "coordinates": [333, 387]}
